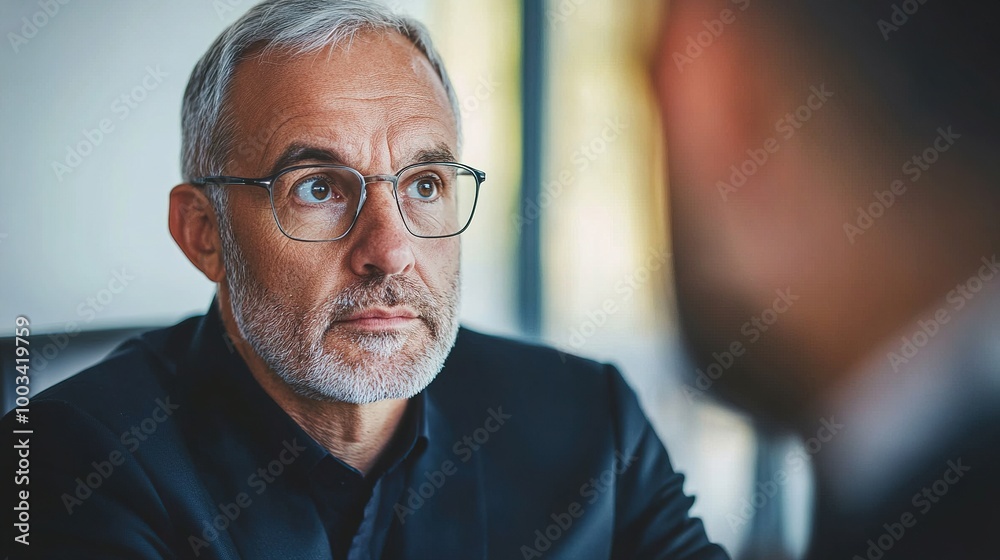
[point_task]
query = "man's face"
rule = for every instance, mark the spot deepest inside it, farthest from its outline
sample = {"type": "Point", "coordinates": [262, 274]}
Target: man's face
{"type": "Point", "coordinates": [371, 316]}
{"type": "Point", "coordinates": [763, 243]}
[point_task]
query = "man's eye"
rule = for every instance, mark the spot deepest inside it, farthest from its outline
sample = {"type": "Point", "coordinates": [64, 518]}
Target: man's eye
{"type": "Point", "coordinates": [425, 188]}
{"type": "Point", "coordinates": [314, 190]}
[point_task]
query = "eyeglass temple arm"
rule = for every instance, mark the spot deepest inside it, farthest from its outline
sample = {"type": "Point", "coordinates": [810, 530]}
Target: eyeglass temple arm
{"type": "Point", "coordinates": [226, 180]}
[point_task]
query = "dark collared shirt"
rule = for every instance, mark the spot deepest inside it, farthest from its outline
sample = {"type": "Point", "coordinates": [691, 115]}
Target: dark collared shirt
{"type": "Point", "coordinates": [169, 450]}
{"type": "Point", "coordinates": [353, 507]}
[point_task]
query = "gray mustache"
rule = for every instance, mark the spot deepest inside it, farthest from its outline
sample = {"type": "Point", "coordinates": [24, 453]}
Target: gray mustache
{"type": "Point", "coordinates": [382, 291]}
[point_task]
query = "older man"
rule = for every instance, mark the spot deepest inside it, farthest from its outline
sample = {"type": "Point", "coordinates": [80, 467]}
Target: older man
{"type": "Point", "coordinates": [329, 405]}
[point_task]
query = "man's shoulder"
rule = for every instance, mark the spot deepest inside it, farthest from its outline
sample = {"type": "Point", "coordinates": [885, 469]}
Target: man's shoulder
{"type": "Point", "coordinates": [129, 380]}
{"type": "Point", "coordinates": [491, 354]}
{"type": "Point", "coordinates": [490, 368]}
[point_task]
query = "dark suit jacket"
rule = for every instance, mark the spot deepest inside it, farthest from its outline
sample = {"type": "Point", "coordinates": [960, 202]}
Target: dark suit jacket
{"type": "Point", "coordinates": [533, 490]}
{"type": "Point", "coordinates": [926, 434]}
{"type": "Point", "coordinates": [946, 509]}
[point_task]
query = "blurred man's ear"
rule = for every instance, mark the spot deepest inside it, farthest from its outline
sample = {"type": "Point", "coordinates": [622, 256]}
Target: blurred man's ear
{"type": "Point", "coordinates": [712, 94]}
{"type": "Point", "coordinates": [195, 228]}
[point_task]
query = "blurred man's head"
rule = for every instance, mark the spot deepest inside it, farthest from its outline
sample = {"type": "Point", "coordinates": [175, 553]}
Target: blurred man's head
{"type": "Point", "coordinates": [325, 278]}
{"type": "Point", "coordinates": [783, 119]}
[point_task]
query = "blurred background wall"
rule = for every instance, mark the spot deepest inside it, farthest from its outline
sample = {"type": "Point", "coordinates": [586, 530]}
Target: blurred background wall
{"type": "Point", "coordinates": [568, 245]}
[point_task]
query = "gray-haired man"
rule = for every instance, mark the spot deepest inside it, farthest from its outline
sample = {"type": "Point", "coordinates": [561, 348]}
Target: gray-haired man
{"type": "Point", "coordinates": [329, 405]}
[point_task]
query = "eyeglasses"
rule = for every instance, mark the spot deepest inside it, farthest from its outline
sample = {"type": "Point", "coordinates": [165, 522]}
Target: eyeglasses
{"type": "Point", "coordinates": [322, 202]}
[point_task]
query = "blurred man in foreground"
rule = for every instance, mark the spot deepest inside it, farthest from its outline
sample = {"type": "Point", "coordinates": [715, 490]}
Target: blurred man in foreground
{"type": "Point", "coordinates": [835, 215]}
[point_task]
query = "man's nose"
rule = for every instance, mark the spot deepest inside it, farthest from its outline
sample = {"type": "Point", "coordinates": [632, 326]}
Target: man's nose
{"type": "Point", "coordinates": [381, 244]}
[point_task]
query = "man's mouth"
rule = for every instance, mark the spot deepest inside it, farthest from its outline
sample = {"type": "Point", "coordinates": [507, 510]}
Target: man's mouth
{"type": "Point", "coordinates": [379, 319]}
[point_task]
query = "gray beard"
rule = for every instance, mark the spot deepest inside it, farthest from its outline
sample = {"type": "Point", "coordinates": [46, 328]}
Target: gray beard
{"type": "Point", "coordinates": [322, 361]}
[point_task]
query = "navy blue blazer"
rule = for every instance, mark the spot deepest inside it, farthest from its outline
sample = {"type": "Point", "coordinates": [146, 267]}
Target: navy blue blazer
{"type": "Point", "coordinates": [529, 453]}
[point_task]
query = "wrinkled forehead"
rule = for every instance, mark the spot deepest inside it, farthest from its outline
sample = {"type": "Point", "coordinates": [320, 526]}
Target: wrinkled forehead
{"type": "Point", "coordinates": [372, 95]}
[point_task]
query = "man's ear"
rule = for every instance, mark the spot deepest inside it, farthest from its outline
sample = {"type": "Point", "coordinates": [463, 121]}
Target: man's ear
{"type": "Point", "coordinates": [709, 86]}
{"type": "Point", "coordinates": [195, 228]}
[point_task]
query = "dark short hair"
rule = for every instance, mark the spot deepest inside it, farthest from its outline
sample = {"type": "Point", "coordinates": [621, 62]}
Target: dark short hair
{"type": "Point", "coordinates": [930, 62]}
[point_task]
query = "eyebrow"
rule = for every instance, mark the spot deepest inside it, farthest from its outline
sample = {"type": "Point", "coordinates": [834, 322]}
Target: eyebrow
{"type": "Point", "coordinates": [440, 152]}
{"type": "Point", "coordinates": [296, 154]}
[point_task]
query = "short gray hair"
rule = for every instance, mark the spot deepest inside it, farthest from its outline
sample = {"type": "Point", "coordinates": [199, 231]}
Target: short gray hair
{"type": "Point", "coordinates": [304, 26]}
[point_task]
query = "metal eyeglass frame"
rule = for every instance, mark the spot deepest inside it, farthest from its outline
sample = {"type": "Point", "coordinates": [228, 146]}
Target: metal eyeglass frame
{"type": "Point", "coordinates": [268, 182]}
